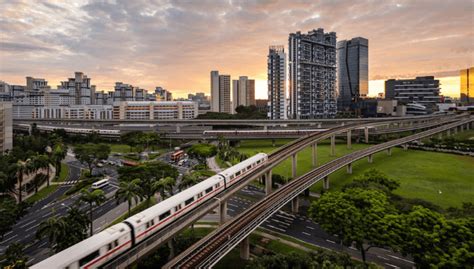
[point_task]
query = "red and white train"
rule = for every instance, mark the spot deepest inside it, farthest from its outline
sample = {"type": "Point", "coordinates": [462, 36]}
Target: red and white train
{"type": "Point", "coordinates": [106, 245]}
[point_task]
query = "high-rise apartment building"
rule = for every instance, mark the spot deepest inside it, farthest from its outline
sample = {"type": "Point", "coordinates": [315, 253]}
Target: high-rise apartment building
{"type": "Point", "coordinates": [422, 90]}
{"type": "Point", "coordinates": [277, 83]}
{"type": "Point", "coordinates": [123, 92]}
{"type": "Point", "coordinates": [35, 84]}
{"type": "Point", "coordinates": [352, 72]}
{"type": "Point", "coordinates": [6, 129]}
{"type": "Point", "coordinates": [220, 93]}
{"type": "Point", "coordinates": [312, 61]}
{"type": "Point", "coordinates": [243, 91]}
{"type": "Point", "coordinates": [162, 94]}
{"type": "Point", "coordinates": [80, 89]}
{"type": "Point", "coordinates": [467, 86]}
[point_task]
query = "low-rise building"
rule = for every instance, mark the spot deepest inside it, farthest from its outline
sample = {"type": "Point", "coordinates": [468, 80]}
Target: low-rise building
{"type": "Point", "coordinates": [154, 110]}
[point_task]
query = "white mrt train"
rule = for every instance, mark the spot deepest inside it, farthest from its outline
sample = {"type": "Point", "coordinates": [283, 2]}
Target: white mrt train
{"type": "Point", "coordinates": [104, 246]}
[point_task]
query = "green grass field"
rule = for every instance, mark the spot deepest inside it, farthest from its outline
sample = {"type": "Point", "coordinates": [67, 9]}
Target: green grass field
{"type": "Point", "coordinates": [440, 178]}
{"type": "Point", "coordinates": [120, 148]}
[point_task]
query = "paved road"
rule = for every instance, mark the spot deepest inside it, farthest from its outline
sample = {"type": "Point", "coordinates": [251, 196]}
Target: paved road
{"type": "Point", "coordinates": [25, 229]}
{"type": "Point", "coordinates": [303, 228]}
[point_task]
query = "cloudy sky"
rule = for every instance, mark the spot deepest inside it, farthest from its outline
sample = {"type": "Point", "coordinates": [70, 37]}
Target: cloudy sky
{"type": "Point", "coordinates": [175, 44]}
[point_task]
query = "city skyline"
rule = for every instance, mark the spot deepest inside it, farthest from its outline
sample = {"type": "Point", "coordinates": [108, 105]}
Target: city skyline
{"type": "Point", "coordinates": [160, 48]}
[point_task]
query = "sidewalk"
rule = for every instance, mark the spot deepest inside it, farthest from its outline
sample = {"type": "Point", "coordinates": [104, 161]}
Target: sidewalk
{"type": "Point", "coordinates": [212, 164]}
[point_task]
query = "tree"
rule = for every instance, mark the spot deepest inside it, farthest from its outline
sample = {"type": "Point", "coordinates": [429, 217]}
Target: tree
{"type": "Point", "coordinates": [355, 215]}
{"type": "Point", "coordinates": [58, 154]}
{"type": "Point", "coordinates": [55, 229]}
{"type": "Point", "coordinates": [164, 186]}
{"type": "Point", "coordinates": [202, 151]}
{"type": "Point", "coordinates": [188, 180]}
{"type": "Point", "coordinates": [22, 168]}
{"type": "Point", "coordinates": [128, 191]}
{"type": "Point", "coordinates": [7, 182]}
{"type": "Point", "coordinates": [77, 223]}
{"type": "Point", "coordinates": [38, 179]}
{"type": "Point", "coordinates": [374, 179]}
{"type": "Point", "coordinates": [15, 257]}
{"type": "Point", "coordinates": [435, 242]}
{"type": "Point", "coordinates": [90, 154]}
{"type": "Point", "coordinates": [8, 212]}
{"type": "Point", "coordinates": [92, 198]}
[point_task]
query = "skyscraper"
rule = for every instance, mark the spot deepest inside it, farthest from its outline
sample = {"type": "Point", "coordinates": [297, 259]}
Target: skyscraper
{"type": "Point", "coordinates": [352, 72]}
{"type": "Point", "coordinates": [243, 92]}
{"type": "Point", "coordinates": [423, 90]}
{"type": "Point", "coordinates": [220, 93]}
{"type": "Point", "coordinates": [276, 83]}
{"type": "Point", "coordinates": [6, 129]}
{"type": "Point", "coordinates": [467, 86]}
{"type": "Point", "coordinates": [215, 91]}
{"type": "Point", "coordinates": [312, 61]}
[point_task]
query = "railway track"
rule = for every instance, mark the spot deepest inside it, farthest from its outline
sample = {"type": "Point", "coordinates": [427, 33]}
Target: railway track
{"type": "Point", "coordinates": [208, 251]}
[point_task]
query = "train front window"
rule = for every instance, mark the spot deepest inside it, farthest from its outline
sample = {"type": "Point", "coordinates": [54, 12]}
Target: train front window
{"type": "Point", "coordinates": [88, 258]}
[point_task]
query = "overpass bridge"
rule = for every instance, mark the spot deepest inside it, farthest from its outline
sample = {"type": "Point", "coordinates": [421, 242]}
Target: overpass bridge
{"type": "Point", "coordinates": [220, 201]}
{"type": "Point", "coordinates": [209, 250]}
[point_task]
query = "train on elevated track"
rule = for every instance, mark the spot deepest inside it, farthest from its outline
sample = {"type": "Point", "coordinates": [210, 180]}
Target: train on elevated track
{"type": "Point", "coordinates": [100, 248]}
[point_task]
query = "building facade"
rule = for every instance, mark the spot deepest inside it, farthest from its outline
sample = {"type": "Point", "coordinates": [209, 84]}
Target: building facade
{"type": "Point", "coordinates": [276, 67]}
{"type": "Point", "coordinates": [6, 129]}
{"type": "Point", "coordinates": [243, 92]}
{"type": "Point", "coordinates": [80, 112]}
{"type": "Point", "coordinates": [80, 89]}
{"type": "Point", "coordinates": [220, 93]}
{"type": "Point", "coordinates": [467, 86]}
{"type": "Point", "coordinates": [422, 90]}
{"type": "Point", "coordinates": [312, 62]}
{"type": "Point", "coordinates": [352, 73]}
{"type": "Point", "coordinates": [155, 110]}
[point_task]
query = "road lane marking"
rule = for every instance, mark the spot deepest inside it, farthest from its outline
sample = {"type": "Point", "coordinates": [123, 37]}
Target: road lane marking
{"type": "Point", "coordinates": [382, 257]}
{"type": "Point", "coordinates": [276, 228]}
{"type": "Point", "coordinates": [330, 241]}
{"type": "Point", "coordinates": [398, 258]}
{"type": "Point", "coordinates": [306, 234]}
{"type": "Point", "coordinates": [28, 223]}
{"type": "Point", "coordinates": [32, 227]}
{"type": "Point", "coordinates": [10, 238]}
{"type": "Point", "coordinates": [309, 227]}
{"type": "Point", "coordinates": [353, 248]}
{"type": "Point", "coordinates": [391, 265]}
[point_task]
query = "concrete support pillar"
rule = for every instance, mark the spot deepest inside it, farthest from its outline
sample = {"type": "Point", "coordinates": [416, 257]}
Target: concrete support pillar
{"type": "Point", "coordinates": [369, 158]}
{"type": "Point", "coordinates": [314, 151]}
{"type": "Point", "coordinates": [462, 128]}
{"type": "Point", "coordinates": [178, 129]}
{"type": "Point", "coordinates": [295, 204]}
{"type": "Point", "coordinates": [333, 145]}
{"type": "Point", "coordinates": [293, 166]}
{"type": "Point", "coordinates": [440, 136]}
{"type": "Point", "coordinates": [349, 139]}
{"type": "Point", "coordinates": [268, 182]}
{"type": "Point", "coordinates": [405, 146]}
{"type": "Point", "coordinates": [389, 151]}
{"type": "Point", "coordinates": [265, 127]}
{"type": "Point", "coordinates": [366, 135]}
{"type": "Point", "coordinates": [222, 212]}
{"type": "Point", "coordinates": [343, 123]}
{"type": "Point", "coordinates": [326, 183]}
{"type": "Point", "coordinates": [455, 130]}
{"type": "Point", "coordinates": [319, 125]}
{"type": "Point", "coordinates": [448, 132]}
{"type": "Point", "coordinates": [349, 168]}
{"type": "Point", "coordinates": [468, 126]}
{"type": "Point", "coordinates": [245, 249]}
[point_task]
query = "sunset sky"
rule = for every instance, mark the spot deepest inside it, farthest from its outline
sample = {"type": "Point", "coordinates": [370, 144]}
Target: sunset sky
{"type": "Point", "coordinates": [175, 44]}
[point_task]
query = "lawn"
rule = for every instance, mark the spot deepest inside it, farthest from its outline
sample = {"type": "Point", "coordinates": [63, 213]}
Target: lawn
{"type": "Point", "coordinates": [440, 178]}
{"type": "Point", "coordinates": [465, 135]}
{"type": "Point", "coordinates": [41, 194]}
{"type": "Point", "coordinates": [63, 174]}
{"type": "Point", "coordinates": [120, 148]}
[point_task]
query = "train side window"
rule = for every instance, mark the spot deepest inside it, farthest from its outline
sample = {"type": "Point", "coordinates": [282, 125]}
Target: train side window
{"type": "Point", "coordinates": [232, 177]}
{"type": "Point", "coordinates": [248, 167]}
{"type": "Point", "coordinates": [152, 222]}
{"type": "Point", "coordinates": [177, 208]}
{"type": "Point", "coordinates": [115, 243]}
{"type": "Point", "coordinates": [190, 200]}
{"type": "Point", "coordinates": [217, 185]}
{"type": "Point", "coordinates": [199, 195]}
{"type": "Point", "coordinates": [237, 174]}
{"type": "Point", "coordinates": [109, 246]}
{"type": "Point", "coordinates": [208, 190]}
{"type": "Point", "coordinates": [165, 215]}
{"type": "Point", "coordinates": [89, 258]}
{"type": "Point", "coordinates": [147, 225]}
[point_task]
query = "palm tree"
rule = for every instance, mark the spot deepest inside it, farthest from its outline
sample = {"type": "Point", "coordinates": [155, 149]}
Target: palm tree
{"type": "Point", "coordinates": [38, 179]}
{"type": "Point", "coordinates": [54, 229]}
{"type": "Point", "coordinates": [42, 162]}
{"type": "Point", "coordinates": [164, 185]}
{"type": "Point", "coordinates": [128, 191]}
{"type": "Point", "coordinates": [96, 197]}
{"type": "Point", "coordinates": [15, 256]}
{"type": "Point", "coordinates": [7, 182]}
{"type": "Point", "coordinates": [58, 154]}
{"type": "Point", "coordinates": [188, 180]}
{"type": "Point", "coordinates": [22, 168]}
